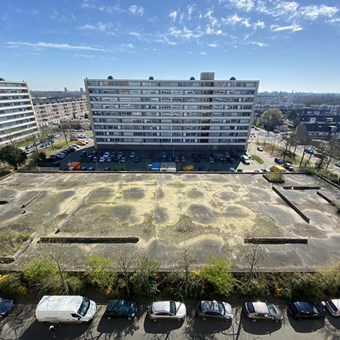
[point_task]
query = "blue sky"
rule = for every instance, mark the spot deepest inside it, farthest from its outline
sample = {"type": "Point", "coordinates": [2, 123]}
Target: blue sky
{"type": "Point", "coordinates": [287, 45]}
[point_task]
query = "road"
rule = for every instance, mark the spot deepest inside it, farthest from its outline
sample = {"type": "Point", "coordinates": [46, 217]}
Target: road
{"type": "Point", "coordinates": [21, 324]}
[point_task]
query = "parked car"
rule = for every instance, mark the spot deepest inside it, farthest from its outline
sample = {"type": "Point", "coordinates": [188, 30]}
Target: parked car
{"type": "Point", "coordinates": [289, 166]}
{"type": "Point", "coordinates": [214, 310]}
{"type": "Point", "coordinates": [107, 168]}
{"type": "Point", "coordinates": [120, 309]}
{"type": "Point", "coordinates": [333, 306]}
{"type": "Point", "coordinates": [132, 154]}
{"type": "Point", "coordinates": [83, 153]}
{"type": "Point", "coordinates": [102, 159]}
{"type": "Point", "coordinates": [262, 311]}
{"type": "Point", "coordinates": [260, 148]}
{"type": "Point", "coordinates": [6, 305]}
{"type": "Point", "coordinates": [278, 160]}
{"type": "Point", "coordinates": [91, 168]}
{"type": "Point", "coordinates": [167, 310]}
{"type": "Point", "coordinates": [231, 170]}
{"type": "Point", "coordinates": [305, 310]}
{"type": "Point", "coordinates": [337, 164]}
{"type": "Point", "coordinates": [309, 150]}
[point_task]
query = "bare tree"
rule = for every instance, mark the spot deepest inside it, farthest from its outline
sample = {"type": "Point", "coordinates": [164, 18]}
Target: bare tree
{"type": "Point", "coordinates": [253, 257]}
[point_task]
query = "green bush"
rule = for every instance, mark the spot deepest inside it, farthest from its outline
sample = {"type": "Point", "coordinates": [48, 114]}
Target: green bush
{"type": "Point", "coordinates": [275, 177]}
{"type": "Point", "coordinates": [9, 285]}
{"type": "Point", "coordinates": [75, 283]}
{"type": "Point", "coordinates": [257, 159]}
{"type": "Point", "coordinates": [255, 287]}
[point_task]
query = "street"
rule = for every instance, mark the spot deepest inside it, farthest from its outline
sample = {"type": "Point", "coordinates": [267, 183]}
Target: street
{"type": "Point", "coordinates": [21, 324]}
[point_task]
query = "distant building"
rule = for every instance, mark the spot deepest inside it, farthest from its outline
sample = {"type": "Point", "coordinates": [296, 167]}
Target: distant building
{"type": "Point", "coordinates": [321, 126]}
{"type": "Point", "coordinates": [65, 89]}
{"type": "Point", "coordinates": [81, 91]}
{"type": "Point", "coordinates": [52, 110]}
{"type": "Point", "coordinates": [167, 114]}
{"type": "Point", "coordinates": [17, 119]}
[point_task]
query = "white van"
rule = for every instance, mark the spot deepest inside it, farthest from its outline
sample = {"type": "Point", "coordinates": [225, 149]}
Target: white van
{"type": "Point", "coordinates": [65, 308]}
{"type": "Point", "coordinates": [245, 159]}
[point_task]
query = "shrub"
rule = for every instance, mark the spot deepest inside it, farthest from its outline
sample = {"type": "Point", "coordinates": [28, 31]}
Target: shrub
{"type": "Point", "coordinates": [75, 283]}
{"type": "Point", "coordinates": [274, 177]}
{"type": "Point", "coordinates": [10, 285]}
{"type": "Point", "coordinates": [217, 274]}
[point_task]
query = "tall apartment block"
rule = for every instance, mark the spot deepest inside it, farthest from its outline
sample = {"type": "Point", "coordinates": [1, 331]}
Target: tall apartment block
{"type": "Point", "coordinates": [166, 114]}
{"type": "Point", "coordinates": [17, 119]}
{"type": "Point", "coordinates": [52, 110]}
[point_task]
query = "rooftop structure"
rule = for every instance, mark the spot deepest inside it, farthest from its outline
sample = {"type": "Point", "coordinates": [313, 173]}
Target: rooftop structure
{"type": "Point", "coordinates": [162, 114]}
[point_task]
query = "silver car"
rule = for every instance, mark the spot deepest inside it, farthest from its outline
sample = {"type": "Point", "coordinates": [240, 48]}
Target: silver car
{"type": "Point", "coordinates": [333, 306]}
{"type": "Point", "coordinates": [167, 310]}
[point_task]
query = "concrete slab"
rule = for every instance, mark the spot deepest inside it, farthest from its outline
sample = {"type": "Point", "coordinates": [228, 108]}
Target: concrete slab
{"type": "Point", "coordinates": [209, 214]}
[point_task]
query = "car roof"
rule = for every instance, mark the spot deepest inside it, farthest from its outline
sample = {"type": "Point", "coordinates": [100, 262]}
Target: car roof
{"type": "Point", "coordinates": [304, 306]}
{"type": "Point", "coordinates": [210, 306]}
{"type": "Point", "coordinates": [259, 307]}
{"type": "Point", "coordinates": [118, 305]}
{"type": "Point", "coordinates": [161, 306]}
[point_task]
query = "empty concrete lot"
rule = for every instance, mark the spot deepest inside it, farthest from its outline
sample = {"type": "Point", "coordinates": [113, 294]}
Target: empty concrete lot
{"type": "Point", "coordinates": [209, 214]}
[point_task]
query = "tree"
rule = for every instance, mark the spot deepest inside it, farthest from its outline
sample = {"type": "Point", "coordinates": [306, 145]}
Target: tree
{"type": "Point", "coordinates": [101, 273]}
{"type": "Point", "coordinates": [217, 274]}
{"type": "Point", "coordinates": [271, 118]}
{"type": "Point", "coordinates": [292, 114]}
{"type": "Point", "coordinates": [13, 156]}
{"type": "Point", "coordinates": [144, 279]}
{"type": "Point", "coordinates": [126, 265]}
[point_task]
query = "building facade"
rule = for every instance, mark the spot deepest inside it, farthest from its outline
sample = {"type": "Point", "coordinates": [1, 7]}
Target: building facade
{"type": "Point", "coordinates": [17, 119]}
{"type": "Point", "coordinates": [164, 114]}
{"type": "Point", "coordinates": [53, 110]}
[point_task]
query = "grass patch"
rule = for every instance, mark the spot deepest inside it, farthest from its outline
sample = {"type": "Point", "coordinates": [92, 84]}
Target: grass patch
{"type": "Point", "coordinates": [257, 159]}
{"type": "Point", "coordinates": [274, 177]}
{"type": "Point", "coordinates": [10, 242]}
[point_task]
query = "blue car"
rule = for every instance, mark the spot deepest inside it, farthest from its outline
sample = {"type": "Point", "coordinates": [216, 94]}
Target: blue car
{"type": "Point", "coordinates": [305, 310]}
{"type": "Point", "coordinates": [121, 309]}
{"type": "Point", "coordinates": [6, 305]}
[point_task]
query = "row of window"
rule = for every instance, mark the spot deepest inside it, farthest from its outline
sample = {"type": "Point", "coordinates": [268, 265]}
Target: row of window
{"type": "Point", "coordinates": [172, 92]}
{"type": "Point", "coordinates": [170, 141]}
{"type": "Point", "coordinates": [12, 84]}
{"type": "Point", "coordinates": [147, 108]}
{"type": "Point", "coordinates": [169, 83]}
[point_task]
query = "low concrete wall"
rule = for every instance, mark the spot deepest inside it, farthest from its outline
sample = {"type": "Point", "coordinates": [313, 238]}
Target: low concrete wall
{"type": "Point", "coordinates": [75, 239]}
{"type": "Point", "coordinates": [275, 240]}
{"type": "Point", "coordinates": [301, 187]}
{"type": "Point", "coordinates": [291, 204]}
{"type": "Point", "coordinates": [326, 198]}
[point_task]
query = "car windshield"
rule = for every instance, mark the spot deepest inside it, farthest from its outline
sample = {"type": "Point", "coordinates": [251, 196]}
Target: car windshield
{"type": "Point", "coordinates": [272, 310]}
{"type": "Point", "coordinates": [172, 308]}
{"type": "Point", "coordinates": [84, 307]}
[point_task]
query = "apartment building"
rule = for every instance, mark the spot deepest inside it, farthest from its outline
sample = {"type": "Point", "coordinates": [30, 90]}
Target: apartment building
{"type": "Point", "coordinates": [53, 110]}
{"type": "Point", "coordinates": [167, 114]}
{"type": "Point", "coordinates": [17, 119]}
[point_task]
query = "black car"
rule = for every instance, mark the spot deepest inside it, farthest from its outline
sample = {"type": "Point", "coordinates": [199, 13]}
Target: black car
{"type": "Point", "coordinates": [305, 310]}
{"type": "Point", "coordinates": [278, 160]}
{"type": "Point", "coordinates": [6, 305]}
{"type": "Point", "coordinates": [121, 309]}
{"type": "Point", "coordinates": [214, 310]}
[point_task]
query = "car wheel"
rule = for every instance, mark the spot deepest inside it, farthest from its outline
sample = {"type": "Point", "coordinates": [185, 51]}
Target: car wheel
{"type": "Point", "coordinates": [108, 317]}
{"type": "Point", "coordinates": [179, 320]}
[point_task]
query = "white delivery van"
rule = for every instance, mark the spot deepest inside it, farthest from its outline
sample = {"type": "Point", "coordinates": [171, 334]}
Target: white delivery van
{"type": "Point", "coordinates": [65, 308]}
{"type": "Point", "coordinates": [245, 159]}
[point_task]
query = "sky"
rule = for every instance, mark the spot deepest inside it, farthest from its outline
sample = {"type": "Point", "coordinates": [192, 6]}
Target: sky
{"type": "Point", "coordinates": [286, 45]}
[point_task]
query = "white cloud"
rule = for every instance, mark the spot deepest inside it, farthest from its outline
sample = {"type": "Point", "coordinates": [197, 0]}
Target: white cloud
{"type": "Point", "coordinates": [293, 28]}
{"type": "Point", "coordinates": [233, 20]}
{"type": "Point", "coordinates": [211, 31]}
{"type": "Point", "coordinates": [135, 34]}
{"type": "Point", "coordinates": [164, 40]}
{"type": "Point", "coordinates": [128, 45]}
{"type": "Point", "coordinates": [173, 15]}
{"type": "Point", "coordinates": [99, 27]}
{"type": "Point", "coordinates": [334, 20]}
{"type": "Point", "coordinates": [55, 46]}
{"type": "Point", "coordinates": [203, 53]}
{"type": "Point", "coordinates": [137, 10]}
{"type": "Point", "coordinates": [212, 45]}
{"type": "Point", "coordinates": [245, 5]}
{"type": "Point", "coordinates": [258, 43]}
{"type": "Point", "coordinates": [87, 4]}
{"type": "Point", "coordinates": [184, 33]}
{"type": "Point", "coordinates": [259, 24]}
{"type": "Point", "coordinates": [190, 9]}
{"type": "Point", "coordinates": [313, 12]}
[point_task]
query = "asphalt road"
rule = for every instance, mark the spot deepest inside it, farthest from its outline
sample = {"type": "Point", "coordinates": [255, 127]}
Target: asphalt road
{"type": "Point", "coordinates": [21, 324]}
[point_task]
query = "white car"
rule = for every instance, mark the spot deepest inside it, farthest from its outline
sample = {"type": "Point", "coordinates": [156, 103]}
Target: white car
{"type": "Point", "coordinates": [102, 159]}
{"type": "Point", "coordinates": [167, 310]}
{"type": "Point", "coordinates": [333, 306]}
{"type": "Point", "coordinates": [337, 164]}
